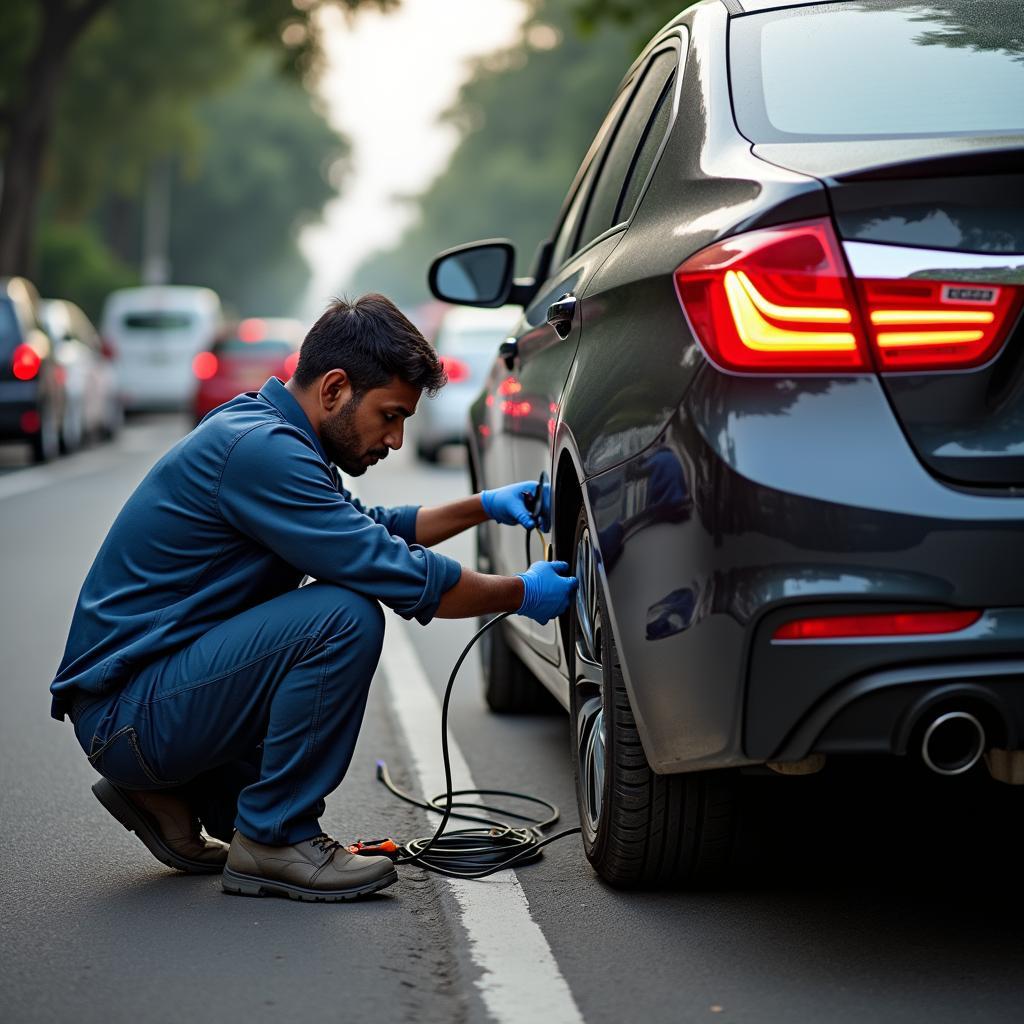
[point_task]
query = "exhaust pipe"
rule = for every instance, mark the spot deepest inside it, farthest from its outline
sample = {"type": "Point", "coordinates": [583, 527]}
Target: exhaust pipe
{"type": "Point", "coordinates": [953, 743]}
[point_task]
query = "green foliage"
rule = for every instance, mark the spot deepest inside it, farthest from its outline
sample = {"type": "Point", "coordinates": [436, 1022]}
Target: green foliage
{"type": "Point", "coordinates": [74, 263]}
{"type": "Point", "coordinates": [640, 21]}
{"type": "Point", "coordinates": [131, 94]}
{"type": "Point", "coordinates": [264, 171]}
{"type": "Point", "coordinates": [526, 117]}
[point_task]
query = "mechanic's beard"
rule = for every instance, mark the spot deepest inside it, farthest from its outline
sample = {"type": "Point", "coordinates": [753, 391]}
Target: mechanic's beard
{"type": "Point", "coordinates": [342, 443]}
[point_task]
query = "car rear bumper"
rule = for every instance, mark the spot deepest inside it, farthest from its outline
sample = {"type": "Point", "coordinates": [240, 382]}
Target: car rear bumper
{"type": "Point", "coordinates": [764, 501]}
{"type": "Point", "coordinates": [17, 397]}
{"type": "Point", "coordinates": [445, 419]}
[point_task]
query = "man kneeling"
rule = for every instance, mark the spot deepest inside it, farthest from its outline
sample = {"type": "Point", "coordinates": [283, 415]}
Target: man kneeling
{"type": "Point", "coordinates": [207, 687]}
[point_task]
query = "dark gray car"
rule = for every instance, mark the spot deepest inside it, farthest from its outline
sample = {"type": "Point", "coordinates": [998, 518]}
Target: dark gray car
{"type": "Point", "coordinates": [772, 361]}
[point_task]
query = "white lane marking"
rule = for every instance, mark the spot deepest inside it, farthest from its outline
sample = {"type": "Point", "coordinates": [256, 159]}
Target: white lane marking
{"type": "Point", "coordinates": [519, 978]}
{"type": "Point", "coordinates": [24, 480]}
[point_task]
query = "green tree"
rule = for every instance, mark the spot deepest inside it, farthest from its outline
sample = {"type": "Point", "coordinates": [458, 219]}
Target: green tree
{"type": "Point", "coordinates": [525, 119]}
{"type": "Point", "coordinates": [267, 166]}
{"type": "Point", "coordinates": [38, 39]}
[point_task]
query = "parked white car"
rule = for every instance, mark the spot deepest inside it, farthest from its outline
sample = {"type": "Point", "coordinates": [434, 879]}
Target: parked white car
{"type": "Point", "coordinates": [92, 400]}
{"type": "Point", "coordinates": [467, 342]}
{"type": "Point", "coordinates": [155, 333]}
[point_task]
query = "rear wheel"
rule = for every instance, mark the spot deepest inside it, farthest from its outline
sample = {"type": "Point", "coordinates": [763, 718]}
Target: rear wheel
{"type": "Point", "coordinates": [510, 688]}
{"type": "Point", "coordinates": [46, 440]}
{"type": "Point", "coordinates": [639, 829]}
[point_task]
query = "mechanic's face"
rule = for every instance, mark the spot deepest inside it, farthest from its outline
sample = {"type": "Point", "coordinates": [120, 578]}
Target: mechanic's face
{"type": "Point", "coordinates": [366, 427]}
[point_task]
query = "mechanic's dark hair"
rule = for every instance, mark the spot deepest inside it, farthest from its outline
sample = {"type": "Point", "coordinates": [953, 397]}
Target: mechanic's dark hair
{"type": "Point", "coordinates": [373, 342]}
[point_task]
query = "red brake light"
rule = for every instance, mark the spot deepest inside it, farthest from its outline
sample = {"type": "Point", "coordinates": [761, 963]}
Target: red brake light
{"type": "Point", "coordinates": [777, 300]}
{"type": "Point", "coordinates": [204, 365]}
{"type": "Point", "coordinates": [252, 329]}
{"type": "Point", "coordinates": [290, 363]}
{"type": "Point", "coordinates": [931, 325]}
{"type": "Point", "coordinates": [876, 624]}
{"type": "Point", "coordinates": [456, 369]}
{"type": "Point", "coordinates": [25, 362]}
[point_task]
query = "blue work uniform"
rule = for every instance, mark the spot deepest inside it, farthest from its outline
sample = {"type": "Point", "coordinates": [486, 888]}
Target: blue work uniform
{"type": "Point", "coordinates": [196, 660]}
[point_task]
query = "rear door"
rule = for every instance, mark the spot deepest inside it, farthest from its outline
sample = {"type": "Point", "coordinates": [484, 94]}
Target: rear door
{"type": "Point", "coordinates": [924, 165]}
{"type": "Point", "coordinates": [554, 322]}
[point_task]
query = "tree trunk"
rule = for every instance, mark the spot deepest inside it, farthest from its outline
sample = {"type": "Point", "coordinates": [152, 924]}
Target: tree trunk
{"type": "Point", "coordinates": [29, 127]}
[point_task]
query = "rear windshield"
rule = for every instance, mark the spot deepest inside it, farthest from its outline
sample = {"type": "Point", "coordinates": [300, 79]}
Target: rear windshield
{"type": "Point", "coordinates": [879, 68]}
{"type": "Point", "coordinates": [159, 320]}
{"type": "Point", "coordinates": [10, 330]}
{"type": "Point", "coordinates": [268, 348]}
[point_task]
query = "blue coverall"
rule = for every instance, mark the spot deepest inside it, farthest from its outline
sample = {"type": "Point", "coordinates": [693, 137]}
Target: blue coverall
{"type": "Point", "coordinates": [194, 658]}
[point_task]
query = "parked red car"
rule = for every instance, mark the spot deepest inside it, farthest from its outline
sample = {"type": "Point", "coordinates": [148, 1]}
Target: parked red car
{"type": "Point", "coordinates": [243, 359]}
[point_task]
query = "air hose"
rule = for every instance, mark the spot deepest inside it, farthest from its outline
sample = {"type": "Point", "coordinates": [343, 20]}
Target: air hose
{"type": "Point", "coordinates": [493, 843]}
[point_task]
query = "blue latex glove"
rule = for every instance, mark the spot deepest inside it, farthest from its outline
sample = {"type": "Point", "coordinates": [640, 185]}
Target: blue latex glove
{"type": "Point", "coordinates": [509, 505]}
{"type": "Point", "coordinates": [546, 592]}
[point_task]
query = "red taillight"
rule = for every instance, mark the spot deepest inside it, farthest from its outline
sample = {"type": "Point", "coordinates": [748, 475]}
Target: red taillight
{"type": "Point", "coordinates": [933, 325]}
{"type": "Point", "coordinates": [25, 362]}
{"type": "Point", "coordinates": [776, 300]}
{"type": "Point", "coordinates": [290, 363]}
{"type": "Point", "coordinates": [204, 365]}
{"type": "Point", "coordinates": [827, 627]}
{"type": "Point", "coordinates": [780, 300]}
{"type": "Point", "coordinates": [252, 329]}
{"type": "Point", "coordinates": [457, 370]}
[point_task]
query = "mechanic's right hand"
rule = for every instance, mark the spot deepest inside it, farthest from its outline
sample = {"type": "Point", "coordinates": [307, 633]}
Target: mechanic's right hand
{"type": "Point", "coordinates": [546, 592]}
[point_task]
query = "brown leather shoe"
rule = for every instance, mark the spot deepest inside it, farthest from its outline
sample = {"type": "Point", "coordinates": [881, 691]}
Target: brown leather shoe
{"type": "Point", "coordinates": [317, 870]}
{"type": "Point", "coordinates": [164, 822]}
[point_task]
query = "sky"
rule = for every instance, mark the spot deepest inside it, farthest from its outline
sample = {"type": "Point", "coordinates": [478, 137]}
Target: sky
{"type": "Point", "coordinates": [387, 79]}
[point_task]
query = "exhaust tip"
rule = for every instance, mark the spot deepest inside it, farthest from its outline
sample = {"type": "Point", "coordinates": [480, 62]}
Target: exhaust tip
{"type": "Point", "coordinates": [953, 743]}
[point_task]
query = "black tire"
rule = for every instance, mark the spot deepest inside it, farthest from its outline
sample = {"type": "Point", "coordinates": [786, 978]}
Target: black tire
{"type": "Point", "coordinates": [510, 688]}
{"type": "Point", "coordinates": [646, 830]}
{"type": "Point", "coordinates": [45, 442]}
{"type": "Point", "coordinates": [428, 452]}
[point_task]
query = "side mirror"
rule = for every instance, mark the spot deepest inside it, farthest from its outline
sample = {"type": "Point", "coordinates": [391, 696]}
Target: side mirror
{"type": "Point", "coordinates": [477, 274]}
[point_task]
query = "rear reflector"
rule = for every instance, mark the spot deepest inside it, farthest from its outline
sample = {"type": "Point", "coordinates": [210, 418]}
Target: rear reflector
{"type": "Point", "coordinates": [780, 300]}
{"type": "Point", "coordinates": [876, 624]}
{"type": "Point", "coordinates": [775, 301]}
{"type": "Point", "coordinates": [26, 362]}
{"type": "Point", "coordinates": [204, 365]}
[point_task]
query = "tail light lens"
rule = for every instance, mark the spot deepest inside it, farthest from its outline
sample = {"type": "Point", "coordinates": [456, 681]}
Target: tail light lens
{"type": "Point", "coordinates": [289, 365]}
{"type": "Point", "coordinates": [929, 325]}
{"type": "Point", "coordinates": [776, 301]}
{"type": "Point", "coordinates": [204, 365]}
{"type": "Point", "coordinates": [25, 362]}
{"type": "Point", "coordinates": [829, 627]}
{"type": "Point", "coordinates": [780, 300]}
{"type": "Point", "coordinates": [457, 370]}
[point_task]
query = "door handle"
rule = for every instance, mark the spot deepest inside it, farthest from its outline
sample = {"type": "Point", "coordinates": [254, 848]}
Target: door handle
{"type": "Point", "coordinates": [561, 313]}
{"type": "Point", "coordinates": [509, 351]}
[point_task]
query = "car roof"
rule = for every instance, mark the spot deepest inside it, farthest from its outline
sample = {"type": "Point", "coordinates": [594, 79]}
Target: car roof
{"type": "Point", "coordinates": [163, 296]}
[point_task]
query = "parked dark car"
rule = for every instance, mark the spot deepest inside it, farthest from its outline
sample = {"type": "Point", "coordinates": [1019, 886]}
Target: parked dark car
{"type": "Point", "coordinates": [243, 358]}
{"type": "Point", "coordinates": [92, 400]}
{"type": "Point", "coordinates": [772, 359]}
{"type": "Point", "coordinates": [31, 379]}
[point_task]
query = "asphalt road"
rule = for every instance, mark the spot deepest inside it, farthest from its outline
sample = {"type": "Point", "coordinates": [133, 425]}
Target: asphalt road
{"type": "Point", "coordinates": [865, 893]}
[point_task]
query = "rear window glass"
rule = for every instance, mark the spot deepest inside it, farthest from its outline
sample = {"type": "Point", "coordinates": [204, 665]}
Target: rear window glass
{"type": "Point", "coordinates": [879, 68]}
{"type": "Point", "coordinates": [268, 348]}
{"type": "Point", "coordinates": [10, 330]}
{"type": "Point", "coordinates": [161, 320]}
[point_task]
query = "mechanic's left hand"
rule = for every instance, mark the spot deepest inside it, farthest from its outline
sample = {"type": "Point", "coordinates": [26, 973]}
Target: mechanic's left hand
{"type": "Point", "coordinates": [510, 505]}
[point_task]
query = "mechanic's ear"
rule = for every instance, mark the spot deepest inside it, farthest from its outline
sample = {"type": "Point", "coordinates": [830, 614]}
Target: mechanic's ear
{"type": "Point", "coordinates": [335, 390]}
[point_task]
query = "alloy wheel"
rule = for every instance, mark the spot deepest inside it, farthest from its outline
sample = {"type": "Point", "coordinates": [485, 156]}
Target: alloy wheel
{"type": "Point", "coordinates": [588, 682]}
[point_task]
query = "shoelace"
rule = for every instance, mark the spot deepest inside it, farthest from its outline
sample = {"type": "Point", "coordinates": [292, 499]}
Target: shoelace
{"type": "Point", "coordinates": [326, 844]}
